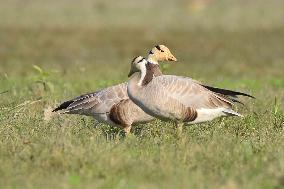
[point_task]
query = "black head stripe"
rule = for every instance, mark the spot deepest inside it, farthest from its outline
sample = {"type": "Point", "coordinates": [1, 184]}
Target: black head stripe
{"type": "Point", "coordinates": [140, 60]}
{"type": "Point", "coordinates": [151, 52]}
{"type": "Point", "coordinates": [134, 58]}
{"type": "Point", "coordinates": [158, 47]}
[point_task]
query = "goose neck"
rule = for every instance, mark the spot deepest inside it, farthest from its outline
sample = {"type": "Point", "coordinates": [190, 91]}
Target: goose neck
{"type": "Point", "coordinates": [152, 59]}
{"type": "Point", "coordinates": [154, 68]}
{"type": "Point", "coordinates": [146, 75]}
{"type": "Point", "coordinates": [143, 73]}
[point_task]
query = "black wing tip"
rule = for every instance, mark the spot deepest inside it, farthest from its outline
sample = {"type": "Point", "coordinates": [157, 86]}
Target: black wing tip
{"type": "Point", "coordinates": [243, 94]}
{"type": "Point", "coordinates": [227, 92]}
{"type": "Point", "coordinates": [237, 101]}
{"type": "Point", "coordinates": [250, 96]}
{"type": "Point", "coordinates": [56, 109]}
{"type": "Point", "coordinates": [63, 106]}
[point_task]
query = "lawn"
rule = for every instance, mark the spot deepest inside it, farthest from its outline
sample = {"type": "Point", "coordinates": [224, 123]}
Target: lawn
{"type": "Point", "coordinates": [50, 52]}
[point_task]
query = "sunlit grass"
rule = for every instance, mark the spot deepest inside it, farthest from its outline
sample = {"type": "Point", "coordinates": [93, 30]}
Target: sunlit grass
{"type": "Point", "coordinates": [45, 64]}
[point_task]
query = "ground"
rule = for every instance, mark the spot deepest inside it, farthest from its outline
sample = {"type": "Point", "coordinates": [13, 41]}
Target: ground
{"type": "Point", "coordinates": [50, 52]}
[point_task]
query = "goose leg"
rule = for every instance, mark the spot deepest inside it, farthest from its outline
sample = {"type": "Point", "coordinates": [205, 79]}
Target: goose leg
{"type": "Point", "coordinates": [126, 129]}
{"type": "Point", "coordinates": [179, 127]}
{"type": "Point", "coordinates": [97, 124]}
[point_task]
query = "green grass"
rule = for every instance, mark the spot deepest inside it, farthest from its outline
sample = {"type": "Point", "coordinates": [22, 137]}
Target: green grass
{"type": "Point", "coordinates": [81, 48]}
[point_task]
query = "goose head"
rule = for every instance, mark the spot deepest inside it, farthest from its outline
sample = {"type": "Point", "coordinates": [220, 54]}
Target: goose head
{"type": "Point", "coordinates": [138, 64]}
{"type": "Point", "coordinates": [160, 53]}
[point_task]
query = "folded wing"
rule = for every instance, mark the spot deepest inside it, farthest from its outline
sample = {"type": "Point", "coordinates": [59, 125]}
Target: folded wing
{"type": "Point", "coordinates": [97, 102]}
{"type": "Point", "coordinates": [190, 93]}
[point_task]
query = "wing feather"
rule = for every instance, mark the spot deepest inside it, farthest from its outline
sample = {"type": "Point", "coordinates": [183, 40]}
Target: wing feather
{"type": "Point", "coordinates": [99, 101]}
{"type": "Point", "coordinates": [190, 93]}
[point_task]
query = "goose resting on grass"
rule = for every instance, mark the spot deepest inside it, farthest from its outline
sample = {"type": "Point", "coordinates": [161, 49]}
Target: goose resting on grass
{"type": "Point", "coordinates": [112, 105]}
{"type": "Point", "coordinates": [178, 98]}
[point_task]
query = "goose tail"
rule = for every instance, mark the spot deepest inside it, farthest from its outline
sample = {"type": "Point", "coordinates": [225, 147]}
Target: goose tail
{"type": "Point", "coordinates": [231, 112]}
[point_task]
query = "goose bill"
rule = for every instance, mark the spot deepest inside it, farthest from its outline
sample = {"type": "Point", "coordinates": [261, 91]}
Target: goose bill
{"type": "Point", "coordinates": [130, 73]}
{"type": "Point", "coordinates": [172, 58]}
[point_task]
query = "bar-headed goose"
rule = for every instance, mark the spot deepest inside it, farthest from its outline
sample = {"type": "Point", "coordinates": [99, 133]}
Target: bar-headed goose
{"type": "Point", "coordinates": [177, 98]}
{"type": "Point", "coordinates": [112, 105]}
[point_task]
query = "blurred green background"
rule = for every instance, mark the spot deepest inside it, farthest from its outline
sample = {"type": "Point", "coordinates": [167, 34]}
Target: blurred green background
{"type": "Point", "coordinates": [54, 50]}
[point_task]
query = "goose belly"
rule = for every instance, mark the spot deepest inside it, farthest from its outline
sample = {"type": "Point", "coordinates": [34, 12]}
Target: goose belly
{"type": "Point", "coordinates": [204, 115]}
{"type": "Point", "coordinates": [149, 111]}
{"type": "Point", "coordinates": [129, 113]}
{"type": "Point", "coordinates": [141, 116]}
{"type": "Point", "coordinates": [151, 106]}
{"type": "Point", "coordinates": [101, 117]}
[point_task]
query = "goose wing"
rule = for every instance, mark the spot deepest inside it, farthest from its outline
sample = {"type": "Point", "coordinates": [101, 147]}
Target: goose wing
{"type": "Point", "coordinates": [97, 102]}
{"type": "Point", "coordinates": [226, 92]}
{"type": "Point", "coordinates": [190, 92]}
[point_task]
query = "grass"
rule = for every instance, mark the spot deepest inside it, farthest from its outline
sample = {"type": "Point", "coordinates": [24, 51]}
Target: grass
{"type": "Point", "coordinates": [75, 54]}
